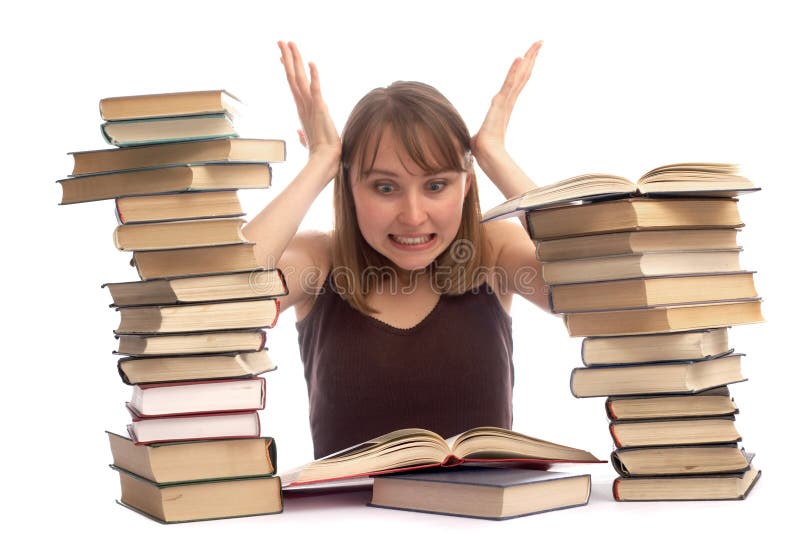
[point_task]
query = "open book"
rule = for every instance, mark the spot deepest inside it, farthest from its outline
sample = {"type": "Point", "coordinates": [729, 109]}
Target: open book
{"type": "Point", "coordinates": [680, 179]}
{"type": "Point", "coordinates": [411, 449]}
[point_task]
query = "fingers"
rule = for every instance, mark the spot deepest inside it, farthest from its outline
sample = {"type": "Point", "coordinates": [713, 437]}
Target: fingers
{"type": "Point", "coordinates": [299, 69]}
{"type": "Point", "coordinates": [523, 73]}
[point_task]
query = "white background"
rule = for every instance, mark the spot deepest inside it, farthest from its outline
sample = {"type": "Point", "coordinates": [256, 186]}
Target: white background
{"type": "Point", "coordinates": [619, 87]}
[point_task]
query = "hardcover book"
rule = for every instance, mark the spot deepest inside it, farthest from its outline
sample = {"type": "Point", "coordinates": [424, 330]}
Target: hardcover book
{"type": "Point", "coordinates": [173, 462]}
{"type": "Point", "coordinates": [200, 500]}
{"type": "Point", "coordinates": [491, 493]}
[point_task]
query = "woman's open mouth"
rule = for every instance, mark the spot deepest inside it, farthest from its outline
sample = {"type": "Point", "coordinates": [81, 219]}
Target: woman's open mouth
{"type": "Point", "coordinates": [413, 242]}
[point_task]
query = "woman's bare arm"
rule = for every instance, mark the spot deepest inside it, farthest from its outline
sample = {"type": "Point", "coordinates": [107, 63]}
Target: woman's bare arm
{"type": "Point", "coordinates": [274, 229]}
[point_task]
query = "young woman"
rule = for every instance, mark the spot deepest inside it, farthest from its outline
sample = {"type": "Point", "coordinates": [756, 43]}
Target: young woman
{"type": "Point", "coordinates": [402, 309]}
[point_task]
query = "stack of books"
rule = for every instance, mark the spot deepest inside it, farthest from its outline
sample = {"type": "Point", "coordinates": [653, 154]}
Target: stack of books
{"type": "Point", "coordinates": [191, 332]}
{"type": "Point", "coordinates": [649, 273]}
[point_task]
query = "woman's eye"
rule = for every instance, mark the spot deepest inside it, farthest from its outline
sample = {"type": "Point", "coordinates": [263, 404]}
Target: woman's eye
{"type": "Point", "coordinates": [437, 186]}
{"type": "Point", "coordinates": [384, 188]}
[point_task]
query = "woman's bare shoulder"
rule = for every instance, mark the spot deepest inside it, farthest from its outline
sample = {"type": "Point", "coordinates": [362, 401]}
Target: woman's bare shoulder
{"type": "Point", "coordinates": [305, 264]}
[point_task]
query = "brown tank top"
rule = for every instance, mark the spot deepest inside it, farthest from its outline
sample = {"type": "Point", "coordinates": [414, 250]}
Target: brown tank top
{"type": "Point", "coordinates": [449, 373]}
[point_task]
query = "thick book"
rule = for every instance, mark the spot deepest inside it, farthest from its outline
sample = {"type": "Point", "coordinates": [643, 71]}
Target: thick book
{"type": "Point", "coordinates": [734, 486]}
{"type": "Point", "coordinates": [712, 402]}
{"type": "Point", "coordinates": [179, 153]}
{"type": "Point", "coordinates": [679, 460]}
{"type": "Point", "coordinates": [664, 319]}
{"type": "Point", "coordinates": [491, 493]}
{"type": "Point", "coordinates": [137, 132]}
{"type": "Point", "coordinates": [135, 370]}
{"type": "Point", "coordinates": [195, 460]}
{"type": "Point", "coordinates": [196, 397]}
{"type": "Point", "coordinates": [646, 264]}
{"type": "Point", "coordinates": [656, 378]}
{"type": "Point", "coordinates": [169, 105]}
{"type": "Point", "coordinates": [243, 285]}
{"type": "Point", "coordinates": [414, 448]}
{"type": "Point", "coordinates": [214, 342]}
{"type": "Point", "coordinates": [680, 179]}
{"type": "Point", "coordinates": [628, 349]}
{"type": "Point", "coordinates": [629, 242]}
{"type": "Point", "coordinates": [200, 500]}
{"type": "Point", "coordinates": [683, 431]}
{"type": "Point", "coordinates": [180, 234]}
{"type": "Point", "coordinates": [181, 318]}
{"type": "Point", "coordinates": [159, 264]}
{"type": "Point", "coordinates": [652, 291]}
{"type": "Point", "coordinates": [191, 205]}
{"type": "Point", "coordinates": [174, 179]}
{"type": "Point", "coordinates": [155, 429]}
{"type": "Point", "coordinates": [633, 214]}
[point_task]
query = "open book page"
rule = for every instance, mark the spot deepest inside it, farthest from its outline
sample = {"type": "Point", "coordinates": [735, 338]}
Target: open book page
{"type": "Point", "coordinates": [498, 443]}
{"type": "Point", "coordinates": [707, 179]}
{"type": "Point", "coordinates": [583, 187]}
{"type": "Point", "coordinates": [680, 179]}
{"type": "Point", "coordinates": [399, 449]}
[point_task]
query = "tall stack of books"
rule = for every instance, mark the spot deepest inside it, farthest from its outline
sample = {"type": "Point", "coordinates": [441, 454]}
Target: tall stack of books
{"type": "Point", "coordinates": [649, 273]}
{"type": "Point", "coordinates": [191, 332]}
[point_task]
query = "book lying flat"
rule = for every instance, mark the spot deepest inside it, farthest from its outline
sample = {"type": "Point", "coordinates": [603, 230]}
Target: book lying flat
{"type": "Point", "coordinates": [159, 264]}
{"type": "Point", "coordinates": [683, 346]}
{"type": "Point", "coordinates": [616, 267]}
{"type": "Point", "coordinates": [200, 500]}
{"type": "Point", "coordinates": [179, 234]}
{"type": "Point", "coordinates": [179, 178]}
{"type": "Point", "coordinates": [711, 430]}
{"type": "Point", "coordinates": [178, 153]}
{"type": "Point", "coordinates": [491, 493]}
{"type": "Point", "coordinates": [189, 205]}
{"type": "Point", "coordinates": [234, 425]}
{"type": "Point", "coordinates": [711, 402]}
{"type": "Point", "coordinates": [244, 285]}
{"type": "Point", "coordinates": [681, 179]}
{"type": "Point", "coordinates": [656, 378]}
{"type": "Point", "coordinates": [410, 449]}
{"type": "Point", "coordinates": [195, 460]}
{"type": "Point", "coordinates": [197, 397]}
{"type": "Point", "coordinates": [134, 370]}
{"type": "Point", "coordinates": [652, 291]}
{"type": "Point", "coordinates": [664, 319]}
{"type": "Point", "coordinates": [238, 314]}
{"type": "Point", "coordinates": [684, 488]}
{"type": "Point", "coordinates": [215, 342]}
{"type": "Point", "coordinates": [137, 132]}
{"type": "Point", "coordinates": [169, 105]}
{"type": "Point", "coordinates": [679, 460]}
{"type": "Point", "coordinates": [633, 214]}
{"type": "Point", "coordinates": [629, 242]}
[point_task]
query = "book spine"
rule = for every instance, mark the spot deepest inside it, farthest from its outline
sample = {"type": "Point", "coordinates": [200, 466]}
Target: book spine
{"type": "Point", "coordinates": [615, 490]}
{"type": "Point", "coordinates": [613, 430]}
{"type": "Point", "coordinates": [610, 410]}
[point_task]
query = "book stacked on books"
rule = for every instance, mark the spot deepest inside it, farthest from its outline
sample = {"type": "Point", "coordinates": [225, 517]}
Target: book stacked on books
{"type": "Point", "coordinates": [192, 329]}
{"type": "Point", "coordinates": [649, 273]}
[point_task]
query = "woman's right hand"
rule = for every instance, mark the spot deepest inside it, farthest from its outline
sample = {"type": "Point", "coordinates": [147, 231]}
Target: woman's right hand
{"type": "Point", "coordinates": [319, 134]}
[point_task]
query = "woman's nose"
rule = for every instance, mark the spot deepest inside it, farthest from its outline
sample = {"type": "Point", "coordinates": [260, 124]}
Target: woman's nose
{"type": "Point", "coordinates": [413, 212]}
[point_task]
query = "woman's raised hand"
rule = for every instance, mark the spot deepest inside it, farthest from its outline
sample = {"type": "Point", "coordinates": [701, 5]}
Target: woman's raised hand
{"type": "Point", "coordinates": [490, 138]}
{"type": "Point", "coordinates": [319, 134]}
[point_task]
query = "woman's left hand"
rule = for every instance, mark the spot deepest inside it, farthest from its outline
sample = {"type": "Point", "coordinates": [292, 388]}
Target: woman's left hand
{"type": "Point", "coordinates": [490, 139]}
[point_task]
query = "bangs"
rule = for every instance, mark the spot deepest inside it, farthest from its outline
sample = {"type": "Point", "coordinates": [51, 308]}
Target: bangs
{"type": "Point", "coordinates": [430, 144]}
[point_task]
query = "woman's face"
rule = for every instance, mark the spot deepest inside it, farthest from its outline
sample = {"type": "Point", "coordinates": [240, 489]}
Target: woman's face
{"type": "Point", "coordinates": [405, 215]}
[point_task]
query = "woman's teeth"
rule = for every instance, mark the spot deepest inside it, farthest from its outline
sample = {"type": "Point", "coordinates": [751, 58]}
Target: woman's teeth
{"type": "Point", "coordinates": [412, 240]}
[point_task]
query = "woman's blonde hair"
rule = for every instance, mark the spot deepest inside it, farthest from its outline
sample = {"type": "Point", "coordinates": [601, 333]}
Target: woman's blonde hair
{"type": "Point", "coordinates": [415, 113]}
